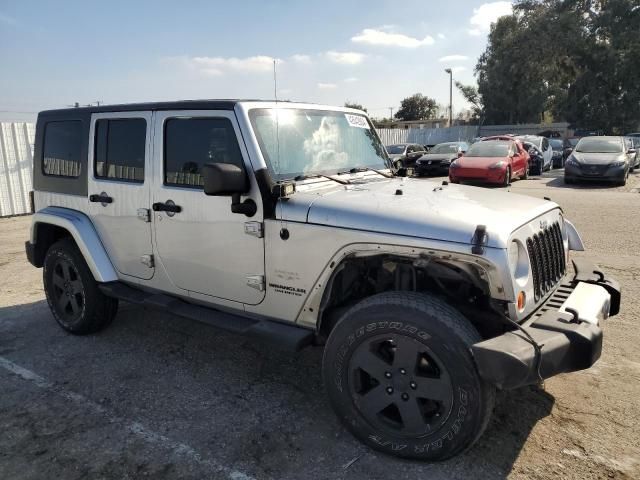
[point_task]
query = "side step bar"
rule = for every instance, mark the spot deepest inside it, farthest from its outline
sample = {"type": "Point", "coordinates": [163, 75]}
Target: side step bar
{"type": "Point", "coordinates": [281, 335]}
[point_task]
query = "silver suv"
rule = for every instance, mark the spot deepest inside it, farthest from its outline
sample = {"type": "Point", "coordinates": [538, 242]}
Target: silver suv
{"type": "Point", "coordinates": [285, 222]}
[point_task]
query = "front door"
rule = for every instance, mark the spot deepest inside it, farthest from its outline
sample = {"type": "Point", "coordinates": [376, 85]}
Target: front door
{"type": "Point", "coordinates": [203, 246]}
{"type": "Point", "coordinates": [119, 178]}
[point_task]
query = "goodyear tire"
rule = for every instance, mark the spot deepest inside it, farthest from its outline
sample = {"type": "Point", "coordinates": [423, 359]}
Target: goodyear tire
{"type": "Point", "coordinates": [73, 295]}
{"type": "Point", "coordinates": [400, 376]}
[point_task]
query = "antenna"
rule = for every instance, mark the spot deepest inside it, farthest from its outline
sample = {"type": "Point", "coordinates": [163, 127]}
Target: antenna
{"type": "Point", "coordinates": [275, 81]}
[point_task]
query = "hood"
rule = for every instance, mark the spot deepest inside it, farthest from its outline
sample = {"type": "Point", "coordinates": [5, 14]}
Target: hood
{"type": "Point", "coordinates": [598, 158]}
{"type": "Point", "coordinates": [480, 162]}
{"type": "Point", "coordinates": [438, 156]}
{"type": "Point", "coordinates": [426, 209]}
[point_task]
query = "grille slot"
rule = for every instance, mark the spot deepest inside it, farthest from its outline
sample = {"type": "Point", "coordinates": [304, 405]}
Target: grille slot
{"type": "Point", "coordinates": [546, 254]}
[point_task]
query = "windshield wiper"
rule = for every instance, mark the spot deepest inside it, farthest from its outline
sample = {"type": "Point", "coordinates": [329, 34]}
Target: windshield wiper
{"type": "Point", "coordinates": [300, 178]}
{"type": "Point", "coordinates": [365, 169]}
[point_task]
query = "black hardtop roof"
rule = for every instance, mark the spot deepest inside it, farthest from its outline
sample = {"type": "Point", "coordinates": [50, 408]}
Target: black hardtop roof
{"type": "Point", "coordinates": [224, 104]}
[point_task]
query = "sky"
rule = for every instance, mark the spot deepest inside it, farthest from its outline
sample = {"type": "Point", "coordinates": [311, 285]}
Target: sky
{"type": "Point", "coordinates": [373, 52]}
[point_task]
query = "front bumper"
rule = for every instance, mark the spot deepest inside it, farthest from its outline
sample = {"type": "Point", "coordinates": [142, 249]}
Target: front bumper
{"type": "Point", "coordinates": [567, 329]}
{"type": "Point", "coordinates": [480, 175]}
{"type": "Point", "coordinates": [594, 172]}
{"type": "Point", "coordinates": [432, 166]}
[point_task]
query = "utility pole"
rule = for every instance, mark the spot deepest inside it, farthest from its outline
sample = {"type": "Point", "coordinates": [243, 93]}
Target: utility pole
{"type": "Point", "coordinates": [391, 113]}
{"type": "Point", "coordinates": [449, 71]}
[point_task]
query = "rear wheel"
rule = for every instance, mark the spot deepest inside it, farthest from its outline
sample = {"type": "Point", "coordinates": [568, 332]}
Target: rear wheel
{"type": "Point", "coordinates": [400, 376]}
{"type": "Point", "coordinates": [73, 295]}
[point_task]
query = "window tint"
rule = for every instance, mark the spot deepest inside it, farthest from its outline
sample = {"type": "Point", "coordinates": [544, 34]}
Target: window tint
{"type": "Point", "coordinates": [545, 144]}
{"type": "Point", "coordinates": [62, 148]}
{"type": "Point", "coordinates": [189, 143]}
{"type": "Point", "coordinates": [119, 149]}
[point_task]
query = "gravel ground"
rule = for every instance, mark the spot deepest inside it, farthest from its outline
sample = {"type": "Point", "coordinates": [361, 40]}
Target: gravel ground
{"type": "Point", "coordinates": [156, 396]}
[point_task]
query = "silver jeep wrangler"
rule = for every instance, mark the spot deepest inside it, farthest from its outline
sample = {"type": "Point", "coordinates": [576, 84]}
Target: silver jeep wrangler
{"type": "Point", "coordinates": [286, 222]}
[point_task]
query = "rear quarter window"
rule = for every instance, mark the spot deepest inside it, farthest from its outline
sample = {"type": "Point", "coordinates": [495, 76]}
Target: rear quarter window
{"type": "Point", "coordinates": [62, 149]}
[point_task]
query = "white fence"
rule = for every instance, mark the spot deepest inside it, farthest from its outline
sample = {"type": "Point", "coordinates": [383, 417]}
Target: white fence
{"type": "Point", "coordinates": [427, 136]}
{"type": "Point", "coordinates": [16, 167]}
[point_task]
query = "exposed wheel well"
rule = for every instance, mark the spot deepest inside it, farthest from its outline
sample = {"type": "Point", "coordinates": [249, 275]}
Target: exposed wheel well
{"type": "Point", "coordinates": [46, 235]}
{"type": "Point", "coordinates": [459, 284]}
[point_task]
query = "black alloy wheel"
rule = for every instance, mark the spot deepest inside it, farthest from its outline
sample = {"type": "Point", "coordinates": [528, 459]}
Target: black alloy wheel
{"type": "Point", "coordinates": [400, 386]}
{"type": "Point", "coordinates": [68, 291]}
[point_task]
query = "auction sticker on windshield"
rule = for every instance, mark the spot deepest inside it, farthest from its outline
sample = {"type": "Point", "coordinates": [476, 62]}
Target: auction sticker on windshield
{"type": "Point", "coordinates": [357, 121]}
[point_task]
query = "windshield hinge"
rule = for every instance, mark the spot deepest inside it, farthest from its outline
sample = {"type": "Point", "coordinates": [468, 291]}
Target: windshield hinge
{"type": "Point", "coordinates": [255, 229]}
{"type": "Point", "coordinates": [256, 281]}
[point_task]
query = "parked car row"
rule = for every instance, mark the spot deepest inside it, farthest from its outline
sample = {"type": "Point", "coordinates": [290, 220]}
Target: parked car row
{"type": "Point", "coordinates": [499, 159]}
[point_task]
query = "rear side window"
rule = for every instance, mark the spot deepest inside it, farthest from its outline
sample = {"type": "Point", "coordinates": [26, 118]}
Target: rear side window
{"type": "Point", "coordinates": [189, 143]}
{"type": "Point", "coordinates": [62, 149]}
{"type": "Point", "coordinates": [120, 148]}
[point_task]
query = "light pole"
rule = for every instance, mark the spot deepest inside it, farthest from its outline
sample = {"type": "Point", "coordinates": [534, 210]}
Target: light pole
{"type": "Point", "coordinates": [448, 70]}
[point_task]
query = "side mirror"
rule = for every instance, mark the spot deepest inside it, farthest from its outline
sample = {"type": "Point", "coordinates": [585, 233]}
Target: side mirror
{"type": "Point", "coordinates": [222, 179]}
{"type": "Point", "coordinates": [460, 154]}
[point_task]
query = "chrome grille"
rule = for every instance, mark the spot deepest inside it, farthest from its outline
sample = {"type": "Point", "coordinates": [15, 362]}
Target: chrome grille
{"type": "Point", "coordinates": [546, 254]}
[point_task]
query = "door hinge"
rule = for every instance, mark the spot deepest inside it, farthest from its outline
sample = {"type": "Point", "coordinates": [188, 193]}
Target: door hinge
{"type": "Point", "coordinates": [256, 281]}
{"type": "Point", "coordinates": [147, 260]}
{"type": "Point", "coordinates": [144, 214]}
{"type": "Point", "coordinates": [254, 228]}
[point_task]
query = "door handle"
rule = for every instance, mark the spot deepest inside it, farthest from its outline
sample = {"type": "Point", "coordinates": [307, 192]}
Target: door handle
{"type": "Point", "coordinates": [102, 198]}
{"type": "Point", "coordinates": [168, 207]}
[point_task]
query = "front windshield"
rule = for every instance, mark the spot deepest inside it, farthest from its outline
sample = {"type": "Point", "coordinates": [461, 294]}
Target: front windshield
{"type": "Point", "coordinates": [556, 144]}
{"type": "Point", "coordinates": [297, 142]}
{"type": "Point", "coordinates": [599, 145]}
{"type": "Point", "coordinates": [445, 148]}
{"type": "Point", "coordinates": [395, 149]}
{"type": "Point", "coordinates": [489, 149]}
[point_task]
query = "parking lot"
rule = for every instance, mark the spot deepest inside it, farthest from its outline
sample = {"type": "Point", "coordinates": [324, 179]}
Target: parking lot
{"type": "Point", "coordinates": [160, 397]}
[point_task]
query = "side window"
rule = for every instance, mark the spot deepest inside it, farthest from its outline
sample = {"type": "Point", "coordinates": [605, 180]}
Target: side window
{"type": "Point", "coordinates": [410, 149]}
{"type": "Point", "coordinates": [119, 149]}
{"type": "Point", "coordinates": [189, 143]}
{"type": "Point", "coordinates": [62, 149]}
{"type": "Point", "coordinates": [545, 144]}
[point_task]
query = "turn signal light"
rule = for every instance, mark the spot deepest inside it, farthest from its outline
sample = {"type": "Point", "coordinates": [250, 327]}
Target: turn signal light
{"type": "Point", "coordinates": [521, 301]}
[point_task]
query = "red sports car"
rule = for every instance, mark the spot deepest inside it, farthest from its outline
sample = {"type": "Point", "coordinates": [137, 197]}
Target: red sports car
{"type": "Point", "coordinates": [491, 160]}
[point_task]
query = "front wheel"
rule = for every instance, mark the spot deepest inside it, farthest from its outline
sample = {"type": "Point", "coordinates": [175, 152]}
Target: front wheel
{"type": "Point", "coordinates": [399, 375]}
{"type": "Point", "coordinates": [398, 164]}
{"type": "Point", "coordinates": [507, 177]}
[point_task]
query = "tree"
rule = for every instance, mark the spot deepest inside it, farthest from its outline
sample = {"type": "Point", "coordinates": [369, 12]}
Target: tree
{"type": "Point", "coordinates": [416, 107]}
{"type": "Point", "coordinates": [580, 64]}
{"type": "Point", "coordinates": [471, 95]}
{"type": "Point", "coordinates": [355, 105]}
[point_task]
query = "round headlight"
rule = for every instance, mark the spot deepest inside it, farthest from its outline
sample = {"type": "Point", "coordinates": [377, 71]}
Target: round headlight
{"type": "Point", "coordinates": [518, 262]}
{"type": "Point", "coordinates": [513, 256]}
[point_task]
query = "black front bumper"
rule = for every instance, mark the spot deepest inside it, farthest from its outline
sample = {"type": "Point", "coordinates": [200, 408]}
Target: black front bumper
{"type": "Point", "coordinates": [564, 342]}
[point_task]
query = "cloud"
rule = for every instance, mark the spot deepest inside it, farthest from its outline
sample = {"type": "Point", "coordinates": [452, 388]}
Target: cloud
{"type": "Point", "coordinates": [453, 58]}
{"type": "Point", "coordinates": [7, 19]}
{"type": "Point", "coordinates": [350, 80]}
{"type": "Point", "coordinates": [327, 86]}
{"type": "Point", "coordinates": [486, 14]}
{"type": "Point", "coordinates": [299, 58]}
{"type": "Point", "coordinates": [371, 36]}
{"type": "Point", "coordinates": [219, 65]}
{"type": "Point", "coordinates": [345, 58]}
{"type": "Point", "coordinates": [441, 36]}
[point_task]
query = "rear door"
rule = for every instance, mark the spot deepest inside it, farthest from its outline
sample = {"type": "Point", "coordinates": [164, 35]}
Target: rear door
{"type": "Point", "coordinates": [119, 187]}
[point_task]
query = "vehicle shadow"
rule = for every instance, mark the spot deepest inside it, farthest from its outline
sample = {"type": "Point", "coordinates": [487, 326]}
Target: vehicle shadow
{"type": "Point", "coordinates": [274, 401]}
{"type": "Point", "coordinates": [556, 180]}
